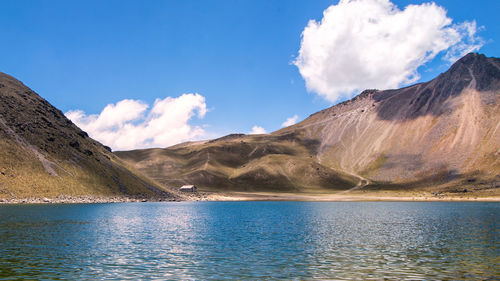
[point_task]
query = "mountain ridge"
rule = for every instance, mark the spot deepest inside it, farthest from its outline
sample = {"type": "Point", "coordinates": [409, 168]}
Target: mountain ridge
{"type": "Point", "coordinates": [43, 154]}
{"type": "Point", "coordinates": [441, 134]}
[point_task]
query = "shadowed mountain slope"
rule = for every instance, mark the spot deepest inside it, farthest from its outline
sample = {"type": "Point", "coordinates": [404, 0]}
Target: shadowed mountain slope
{"type": "Point", "coordinates": [441, 135]}
{"type": "Point", "coordinates": [43, 154]}
{"type": "Point", "coordinates": [241, 162]}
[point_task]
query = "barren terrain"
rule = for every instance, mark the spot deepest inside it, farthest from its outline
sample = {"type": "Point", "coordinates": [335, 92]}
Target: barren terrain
{"type": "Point", "coordinates": [439, 136]}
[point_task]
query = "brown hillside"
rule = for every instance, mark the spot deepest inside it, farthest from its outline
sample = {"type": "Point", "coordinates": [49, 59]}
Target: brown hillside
{"type": "Point", "coordinates": [439, 135]}
{"type": "Point", "coordinates": [434, 133]}
{"type": "Point", "coordinates": [43, 154]}
{"type": "Point", "coordinates": [241, 162]}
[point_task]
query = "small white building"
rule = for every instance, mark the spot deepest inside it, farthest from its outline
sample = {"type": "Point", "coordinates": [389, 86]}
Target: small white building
{"type": "Point", "coordinates": [188, 188]}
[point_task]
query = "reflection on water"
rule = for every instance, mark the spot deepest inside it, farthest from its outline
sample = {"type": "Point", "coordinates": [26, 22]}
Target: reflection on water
{"type": "Point", "coordinates": [251, 240]}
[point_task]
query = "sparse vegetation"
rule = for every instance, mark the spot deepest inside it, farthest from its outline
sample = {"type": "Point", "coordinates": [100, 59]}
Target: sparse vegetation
{"type": "Point", "coordinates": [43, 154]}
{"type": "Point", "coordinates": [375, 165]}
{"type": "Point", "coordinates": [245, 163]}
{"type": "Point", "coordinates": [430, 136]}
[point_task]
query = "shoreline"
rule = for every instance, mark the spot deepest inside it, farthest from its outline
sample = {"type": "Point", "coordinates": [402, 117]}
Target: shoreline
{"type": "Point", "coordinates": [261, 196]}
{"type": "Point", "coordinates": [86, 199]}
{"type": "Point", "coordinates": [335, 197]}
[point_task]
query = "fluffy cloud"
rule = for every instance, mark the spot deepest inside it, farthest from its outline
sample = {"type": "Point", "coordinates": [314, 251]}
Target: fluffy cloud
{"type": "Point", "coordinates": [290, 121]}
{"type": "Point", "coordinates": [257, 130]}
{"type": "Point", "coordinates": [129, 124]}
{"type": "Point", "coordinates": [469, 43]}
{"type": "Point", "coordinates": [362, 44]}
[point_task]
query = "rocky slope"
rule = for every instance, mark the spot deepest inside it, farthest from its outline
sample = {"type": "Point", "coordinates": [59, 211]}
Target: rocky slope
{"type": "Point", "coordinates": [443, 135]}
{"type": "Point", "coordinates": [241, 162]}
{"type": "Point", "coordinates": [442, 131]}
{"type": "Point", "coordinates": [43, 154]}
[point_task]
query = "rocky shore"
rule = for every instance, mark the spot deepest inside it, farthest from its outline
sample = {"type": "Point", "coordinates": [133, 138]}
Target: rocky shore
{"type": "Point", "coordinates": [261, 196]}
{"type": "Point", "coordinates": [86, 199]}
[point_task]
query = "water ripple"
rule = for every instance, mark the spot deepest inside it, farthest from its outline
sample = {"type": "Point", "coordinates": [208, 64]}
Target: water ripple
{"type": "Point", "coordinates": [251, 240]}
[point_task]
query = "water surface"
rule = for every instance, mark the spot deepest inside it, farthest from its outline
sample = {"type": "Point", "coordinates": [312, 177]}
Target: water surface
{"type": "Point", "coordinates": [251, 240]}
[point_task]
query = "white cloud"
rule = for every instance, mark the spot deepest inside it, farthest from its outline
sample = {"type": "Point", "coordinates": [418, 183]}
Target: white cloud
{"type": "Point", "coordinates": [362, 44]}
{"type": "Point", "coordinates": [257, 130]}
{"type": "Point", "coordinates": [129, 125]}
{"type": "Point", "coordinates": [290, 121]}
{"type": "Point", "coordinates": [469, 43]}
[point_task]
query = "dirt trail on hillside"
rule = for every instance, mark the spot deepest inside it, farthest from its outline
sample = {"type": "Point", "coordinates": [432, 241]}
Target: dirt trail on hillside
{"type": "Point", "coordinates": [362, 183]}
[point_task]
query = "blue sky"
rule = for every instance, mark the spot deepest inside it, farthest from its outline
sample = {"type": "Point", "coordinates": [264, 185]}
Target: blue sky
{"type": "Point", "coordinates": [84, 55]}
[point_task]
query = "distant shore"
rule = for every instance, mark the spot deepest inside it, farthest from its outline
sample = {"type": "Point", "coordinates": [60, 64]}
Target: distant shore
{"type": "Point", "coordinates": [359, 196]}
{"type": "Point", "coordinates": [261, 196]}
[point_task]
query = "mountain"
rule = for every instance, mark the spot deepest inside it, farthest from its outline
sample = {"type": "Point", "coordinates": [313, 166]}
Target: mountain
{"type": "Point", "coordinates": [43, 154]}
{"type": "Point", "coordinates": [442, 135]}
{"type": "Point", "coordinates": [241, 162]}
{"type": "Point", "coordinates": [426, 134]}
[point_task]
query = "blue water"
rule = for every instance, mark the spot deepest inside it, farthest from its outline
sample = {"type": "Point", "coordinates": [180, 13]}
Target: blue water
{"type": "Point", "coordinates": [251, 240]}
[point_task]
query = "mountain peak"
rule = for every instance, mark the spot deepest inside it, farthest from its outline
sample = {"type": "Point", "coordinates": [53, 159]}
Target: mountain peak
{"type": "Point", "coordinates": [482, 70]}
{"type": "Point", "coordinates": [470, 57]}
{"type": "Point", "coordinates": [435, 136]}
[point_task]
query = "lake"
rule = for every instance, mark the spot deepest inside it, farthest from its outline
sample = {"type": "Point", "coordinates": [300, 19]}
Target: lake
{"type": "Point", "coordinates": [251, 240]}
